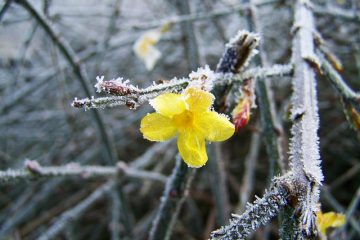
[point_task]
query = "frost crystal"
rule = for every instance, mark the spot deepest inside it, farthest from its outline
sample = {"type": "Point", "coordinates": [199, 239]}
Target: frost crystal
{"type": "Point", "coordinates": [203, 78]}
{"type": "Point", "coordinates": [116, 87]}
{"type": "Point", "coordinates": [99, 80]}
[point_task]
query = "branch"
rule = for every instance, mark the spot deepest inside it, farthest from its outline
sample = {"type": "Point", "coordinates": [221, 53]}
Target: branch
{"type": "Point", "coordinates": [70, 215]}
{"type": "Point", "coordinates": [199, 16]}
{"type": "Point", "coordinates": [247, 185]}
{"type": "Point", "coordinates": [127, 94]}
{"type": "Point", "coordinates": [326, 195]}
{"type": "Point", "coordinates": [304, 147]}
{"type": "Point", "coordinates": [33, 170]}
{"type": "Point", "coordinates": [133, 97]}
{"type": "Point", "coordinates": [189, 38]}
{"type": "Point", "coordinates": [338, 82]}
{"type": "Point", "coordinates": [173, 198]}
{"type": "Point", "coordinates": [272, 129]}
{"type": "Point", "coordinates": [78, 68]}
{"type": "Point", "coordinates": [255, 215]}
{"type": "Point", "coordinates": [332, 11]}
{"type": "Point", "coordinates": [5, 8]}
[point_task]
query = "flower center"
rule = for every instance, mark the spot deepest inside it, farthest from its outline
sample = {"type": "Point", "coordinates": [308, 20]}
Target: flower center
{"type": "Point", "coordinates": [184, 120]}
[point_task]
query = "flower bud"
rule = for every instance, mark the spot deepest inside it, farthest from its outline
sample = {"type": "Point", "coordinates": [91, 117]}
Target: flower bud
{"type": "Point", "coordinates": [241, 113]}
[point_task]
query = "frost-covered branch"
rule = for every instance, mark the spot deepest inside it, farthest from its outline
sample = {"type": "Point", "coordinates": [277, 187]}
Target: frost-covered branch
{"type": "Point", "coordinates": [304, 147]}
{"type": "Point", "coordinates": [256, 214]}
{"type": "Point", "coordinates": [78, 68]}
{"type": "Point", "coordinates": [172, 200]}
{"type": "Point", "coordinates": [33, 170]}
{"type": "Point", "coordinates": [70, 215]}
{"type": "Point", "coordinates": [271, 127]}
{"type": "Point", "coordinates": [337, 81]}
{"type": "Point", "coordinates": [132, 96]}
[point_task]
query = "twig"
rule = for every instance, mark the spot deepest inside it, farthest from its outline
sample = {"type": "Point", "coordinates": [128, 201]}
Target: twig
{"type": "Point", "coordinates": [5, 8]}
{"type": "Point", "coordinates": [191, 47]}
{"type": "Point", "coordinates": [34, 171]}
{"type": "Point", "coordinates": [135, 98]}
{"type": "Point", "coordinates": [70, 215]}
{"type": "Point", "coordinates": [256, 215]}
{"type": "Point", "coordinates": [337, 81]}
{"type": "Point", "coordinates": [198, 16]}
{"type": "Point", "coordinates": [78, 68]}
{"type": "Point", "coordinates": [255, 73]}
{"type": "Point", "coordinates": [217, 181]}
{"type": "Point", "coordinates": [173, 198]}
{"type": "Point", "coordinates": [247, 184]}
{"type": "Point", "coordinates": [272, 129]}
{"type": "Point", "coordinates": [326, 194]}
{"type": "Point", "coordinates": [352, 209]}
{"type": "Point", "coordinates": [139, 163]}
{"type": "Point", "coordinates": [349, 98]}
{"type": "Point", "coordinates": [333, 11]}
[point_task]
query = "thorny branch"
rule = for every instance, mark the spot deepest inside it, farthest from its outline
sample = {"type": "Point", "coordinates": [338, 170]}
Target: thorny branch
{"type": "Point", "coordinates": [255, 215]}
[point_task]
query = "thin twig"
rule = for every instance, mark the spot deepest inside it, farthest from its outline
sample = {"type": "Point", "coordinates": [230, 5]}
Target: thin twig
{"type": "Point", "coordinates": [34, 171]}
{"type": "Point", "coordinates": [247, 184]}
{"type": "Point", "coordinates": [326, 195]}
{"type": "Point", "coordinates": [217, 181]}
{"type": "Point", "coordinates": [61, 222]}
{"type": "Point", "coordinates": [334, 11]}
{"type": "Point", "coordinates": [191, 46]}
{"type": "Point", "coordinates": [272, 129]}
{"type": "Point", "coordinates": [78, 68]}
{"type": "Point", "coordinates": [173, 198]}
{"type": "Point", "coordinates": [352, 208]}
{"type": "Point", "coordinates": [337, 81]}
{"type": "Point", "coordinates": [5, 8]}
{"type": "Point", "coordinates": [198, 16]}
{"type": "Point", "coordinates": [137, 97]}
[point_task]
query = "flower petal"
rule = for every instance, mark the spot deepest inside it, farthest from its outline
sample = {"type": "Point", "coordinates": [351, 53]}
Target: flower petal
{"type": "Point", "coordinates": [329, 219]}
{"type": "Point", "coordinates": [168, 104]}
{"type": "Point", "coordinates": [214, 127]}
{"type": "Point", "coordinates": [198, 100]}
{"type": "Point", "coordinates": [156, 127]}
{"type": "Point", "coordinates": [192, 149]}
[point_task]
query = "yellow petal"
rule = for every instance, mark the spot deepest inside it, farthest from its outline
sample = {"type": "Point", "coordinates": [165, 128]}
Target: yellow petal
{"type": "Point", "coordinates": [213, 126]}
{"type": "Point", "coordinates": [329, 219]}
{"type": "Point", "coordinates": [168, 104]}
{"type": "Point", "coordinates": [198, 100]}
{"type": "Point", "coordinates": [192, 149]}
{"type": "Point", "coordinates": [145, 49]}
{"type": "Point", "coordinates": [156, 127]}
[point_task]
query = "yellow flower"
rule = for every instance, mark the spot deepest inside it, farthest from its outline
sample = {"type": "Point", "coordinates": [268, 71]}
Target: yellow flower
{"type": "Point", "coordinates": [187, 115]}
{"type": "Point", "coordinates": [329, 219]}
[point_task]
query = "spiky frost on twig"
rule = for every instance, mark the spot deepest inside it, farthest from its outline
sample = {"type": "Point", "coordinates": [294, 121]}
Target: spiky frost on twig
{"type": "Point", "coordinates": [204, 78]}
{"type": "Point", "coordinates": [255, 215]}
{"type": "Point", "coordinates": [304, 147]}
